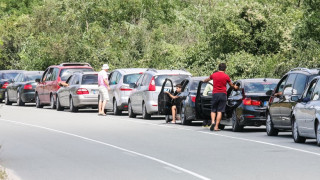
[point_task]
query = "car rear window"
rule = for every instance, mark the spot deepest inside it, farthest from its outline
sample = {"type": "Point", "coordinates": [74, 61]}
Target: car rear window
{"type": "Point", "coordinates": [176, 79]}
{"type": "Point", "coordinates": [66, 73]}
{"type": "Point", "coordinates": [194, 85]}
{"type": "Point", "coordinates": [33, 77]}
{"type": "Point", "coordinates": [131, 78]}
{"type": "Point", "coordinates": [90, 79]}
{"type": "Point", "coordinates": [9, 75]}
{"type": "Point", "coordinates": [259, 87]}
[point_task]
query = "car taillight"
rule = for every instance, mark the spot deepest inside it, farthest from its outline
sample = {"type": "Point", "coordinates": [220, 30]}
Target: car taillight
{"type": "Point", "coordinates": [249, 102]}
{"type": "Point", "coordinates": [27, 86]}
{"type": "Point", "coordinates": [5, 85]}
{"type": "Point", "coordinates": [152, 85]}
{"type": "Point", "coordinates": [125, 88]}
{"type": "Point", "coordinates": [193, 98]}
{"type": "Point", "coordinates": [81, 91]}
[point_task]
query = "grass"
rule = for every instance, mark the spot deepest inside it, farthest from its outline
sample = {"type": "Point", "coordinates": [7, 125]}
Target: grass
{"type": "Point", "coordinates": [3, 174]}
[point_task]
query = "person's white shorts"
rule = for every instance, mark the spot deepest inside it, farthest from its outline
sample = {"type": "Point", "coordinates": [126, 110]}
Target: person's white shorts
{"type": "Point", "coordinates": [103, 93]}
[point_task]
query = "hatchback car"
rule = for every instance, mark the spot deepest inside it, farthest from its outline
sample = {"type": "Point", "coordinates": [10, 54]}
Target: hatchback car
{"type": "Point", "coordinates": [22, 88]}
{"type": "Point", "coordinates": [119, 92]}
{"type": "Point", "coordinates": [306, 114]}
{"type": "Point", "coordinates": [48, 85]}
{"type": "Point", "coordinates": [6, 76]}
{"type": "Point", "coordinates": [282, 100]}
{"type": "Point", "coordinates": [82, 92]}
{"type": "Point", "coordinates": [144, 96]}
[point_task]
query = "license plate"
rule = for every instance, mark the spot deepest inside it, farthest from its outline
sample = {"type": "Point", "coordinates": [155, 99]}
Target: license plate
{"type": "Point", "coordinates": [265, 103]}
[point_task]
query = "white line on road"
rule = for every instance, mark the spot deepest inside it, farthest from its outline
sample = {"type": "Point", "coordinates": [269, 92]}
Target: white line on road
{"type": "Point", "coordinates": [226, 136]}
{"type": "Point", "coordinates": [113, 146]}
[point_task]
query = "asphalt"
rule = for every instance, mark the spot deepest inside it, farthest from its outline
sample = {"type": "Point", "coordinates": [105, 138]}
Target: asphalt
{"type": "Point", "coordinates": [47, 144]}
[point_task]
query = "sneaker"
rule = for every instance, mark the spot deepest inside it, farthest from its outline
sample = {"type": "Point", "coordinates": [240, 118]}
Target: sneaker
{"type": "Point", "coordinates": [205, 126]}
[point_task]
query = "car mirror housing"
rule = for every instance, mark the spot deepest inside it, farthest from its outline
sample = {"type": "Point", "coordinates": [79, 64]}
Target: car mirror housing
{"type": "Point", "coordinates": [269, 92]}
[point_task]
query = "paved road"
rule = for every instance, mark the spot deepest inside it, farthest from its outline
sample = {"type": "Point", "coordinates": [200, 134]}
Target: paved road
{"type": "Point", "coordinates": [40, 144]}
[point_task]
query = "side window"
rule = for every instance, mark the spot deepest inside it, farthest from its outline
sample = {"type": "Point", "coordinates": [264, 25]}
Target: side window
{"type": "Point", "coordinates": [289, 84]}
{"type": "Point", "coordinates": [69, 80]}
{"type": "Point", "coordinates": [299, 84]}
{"type": "Point", "coordinates": [307, 94]}
{"type": "Point", "coordinates": [113, 78]}
{"type": "Point", "coordinates": [22, 78]}
{"type": "Point", "coordinates": [43, 78]}
{"type": "Point", "coordinates": [76, 80]}
{"type": "Point", "coordinates": [48, 75]}
{"type": "Point", "coordinates": [140, 80]}
{"type": "Point", "coordinates": [54, 75]}
{"type": "Point", "coordinates": [146, 80]}
{"type": "Point", "coordinates": [281, 84]}
{"type": "Point", "coordinates": [118, 77]}
{"type": "Point", "coordinates": [316, 92]}
{"type": "Point", "coordinates": [16, 79]}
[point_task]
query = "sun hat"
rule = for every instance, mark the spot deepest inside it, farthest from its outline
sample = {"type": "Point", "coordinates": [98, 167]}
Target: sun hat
{"type": "Point", "coordinates": [105, 66]}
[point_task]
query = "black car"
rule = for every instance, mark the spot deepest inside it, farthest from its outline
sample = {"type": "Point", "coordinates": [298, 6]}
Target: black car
{"type": "Point", "coordinates": [6, 76]}
{"type": "Point", "coordinates": [22, 89]}
{"type": "Point", "coordinates": [186, 109]}
{"type": "Point", "coordinates": [247, 106]}
{"type": "Point", "coordinates": [284, 98]}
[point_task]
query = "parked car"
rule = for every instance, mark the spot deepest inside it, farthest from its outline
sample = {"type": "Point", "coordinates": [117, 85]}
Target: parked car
{"type": "Point", "coordinates": [306, 114]}
{"type": "Point", "coordinates": [6, 76]}
{"type": "Point", "coordinates": [82, 92]}
{"type": "Point", "coordinates": [282, 100]}
{"type": "Point", "coordinates": [186, 110]}
{"type": "Point", "coordinates": [48, 85]}
{"type": "Point", "coordinates": [144, 96]}
{"type": "Point", "coordinates": [22, 88]}
{"type": "Point", "coordinates": [119, 92]}
{"type": "Point", "coordinates": [248, 105]}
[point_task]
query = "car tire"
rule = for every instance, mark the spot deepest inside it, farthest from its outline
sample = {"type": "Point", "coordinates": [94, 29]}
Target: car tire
{"type": "Point", "coordinates": [183, 118]}
{"type": "Point", "coordinates": [236, 127]}
{"type": "Point", "coordinates": [38, 103]}
{"type": "Point", "coordinates": [116, 110]}
{"type": "Point", "coordinates": [271, 131]}
{"type": "Point", "coordinates": [295, 133]}
{"type": "Point", "coordinates": [58, 105]}
{"type": "Point", "coordinates": [130, 111]}
{"type": "Point", "coordinates": [19, 100]}
{"type": "Point", "coordinates": [145, 114]}
{"type": "Point", "coordinates": [72, 107]}
{"type": "Point", "coordinates": [52, 103]}
{"type": "Point", "coordinates": [318, 133]}
{"type": "Point", "coordinates": [6, 99]}
{"type": "Point", "coordinates": [221, 126]}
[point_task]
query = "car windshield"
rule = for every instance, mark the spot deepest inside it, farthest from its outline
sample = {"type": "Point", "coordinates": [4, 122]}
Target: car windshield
{"type": "Point", "coordinates": [90, 79]}
{"type": "Point", "coordinates": [131, 78]}
{"type": "Point", "coordinates": [33, 77]}
{"type": "Point", "coordinates": [176, 79]}
{"type": "Point", "coordinates": [66, 73]}
{"type": "Point", "coordinates": [9, 75]}
{"type": "Point", "coordinates": [259, 87]}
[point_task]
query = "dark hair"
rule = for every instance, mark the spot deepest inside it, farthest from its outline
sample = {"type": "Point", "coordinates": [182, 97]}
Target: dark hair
{"type": "Point", "coordinates": [178, 86]}
{"type": "Point", "coordinates": [222, 66]}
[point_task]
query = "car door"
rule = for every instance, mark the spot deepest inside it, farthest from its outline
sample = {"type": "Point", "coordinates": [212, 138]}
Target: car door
{"type": "Point", "coordinates": [203, 102]}
{"type": "Point", "coordinates": [164, 100]}
{"type": "Point", "coordinates": [18, 85]}
{"type": "Point", "coordinates": [12, 88]}
{"type": "Point", "coordinates": [45, 95]}
{"type": "Point", "coordinates": [134, 95]}
{"type": "Point", "coordinates": [234, 99]}
{"type": "Point", "coordinates": [311, 109]}
{"type": "Point", "coordinates": [112, 84]}
{"type": "Point", "coordinates": [64, 92]}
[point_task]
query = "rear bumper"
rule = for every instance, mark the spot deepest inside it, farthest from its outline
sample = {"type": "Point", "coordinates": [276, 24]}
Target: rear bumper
{"type": "Point", "coordinates": [82, 101]}
{"type": "Point", "coordinates": [123, 103]}
{"type": "Point", "coordinates": [152, 107]}
{"type": "Point", "coordinates": [28, 97]}
{"type": "Point", "coordinates": [253, 118]}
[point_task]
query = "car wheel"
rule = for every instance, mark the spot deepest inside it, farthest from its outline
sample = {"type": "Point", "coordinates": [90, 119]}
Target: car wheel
{"type": "Point", "coordinates": [19, 100]}
{"type": "Point", "coordinates": [38, 103]}
{"type": "Point", "coordinates": [116, 110]}
{"type": "Point", "coordinates": [130, 111]}
{"type": "Point", "coordinates": [295, 133]}
{"type": "Point", "coordinates": [236, 127]}
{"type": "Point", "coordinates": [318, 133]}
{"type": "Point", "coordinates": [52, 103]}
{"type": "Point", "coordinates": [271, 131]}
{"type": "Point", "coordinates": [59, 107]}
{"type": "Point", "coordinates": [72, 107]}
{"type": "Point", "coordinates": [6, 98]}
{"type": "Point", "coordinates": [145, 114]}
{"type": "Point", "coordinates": [183, 118]}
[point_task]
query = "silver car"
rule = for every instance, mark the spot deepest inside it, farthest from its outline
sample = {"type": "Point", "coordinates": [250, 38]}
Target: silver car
{"type": "Point", "coordinates": [144, 97]}
{"type": "Point", "coordinates": [119, 92]}
{"type": "Point", "coordinates": [306, 113]}
{"type": "Point", "coordinates": [81, 92]}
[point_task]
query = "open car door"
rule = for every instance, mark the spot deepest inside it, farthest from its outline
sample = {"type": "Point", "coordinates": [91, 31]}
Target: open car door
{"type": "Point", "coordinates": [203, 102]}
{"type": "Point", "coordinates": [164, 100]}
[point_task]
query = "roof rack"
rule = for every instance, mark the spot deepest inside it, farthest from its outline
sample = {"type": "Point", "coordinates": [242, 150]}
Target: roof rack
{"type": "Point", "coordinates": [75, 64]}
{"type": "Point", "coordinates": [301, 69]}
{"type": "Point", "coordinates": [151, 69]}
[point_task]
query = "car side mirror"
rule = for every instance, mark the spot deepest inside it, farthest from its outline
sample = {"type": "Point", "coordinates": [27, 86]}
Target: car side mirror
{"type": "Point", "coordinates": [269, 92]}
{"type": "Point", "coordinates": [295, 98]}
{"type": "Point", "coordinates": [132, 85]}
{"type": "Point", "coordinates": [37, 80]}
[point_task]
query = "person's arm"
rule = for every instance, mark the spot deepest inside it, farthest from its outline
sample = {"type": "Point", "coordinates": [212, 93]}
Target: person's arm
{"type": "Point", "coordinates": [233, 85]}
{"type": "Point", "coordinates": [107, 83]}
{"type": "Point", "coordinates": [207, 79]}
{"type": "Point", "coordinates": [64, 84]}
{"type": "Point", "coordinates": [172, 96]}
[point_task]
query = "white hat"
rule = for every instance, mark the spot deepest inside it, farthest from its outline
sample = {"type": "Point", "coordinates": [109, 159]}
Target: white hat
{"type": "Point", "coordinates": [105, 66]}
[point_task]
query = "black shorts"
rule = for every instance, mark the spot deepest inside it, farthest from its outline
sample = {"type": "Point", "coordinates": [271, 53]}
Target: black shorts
{"type": "Point", "coordinates": [219, 102]}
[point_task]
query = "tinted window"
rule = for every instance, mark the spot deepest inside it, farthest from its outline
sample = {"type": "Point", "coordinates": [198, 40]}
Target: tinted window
{"type": "Point", "coordinates": [299, 84]}
{"type": "Point", "coordinates": [66, 73]}
{"type": "Point", "coordinates": [113, 79]}
{"type": "Point", "coordinates": [316, 92]}
{"type": "Point", "coordinates": [194, 85]}
{"type": "Point", "coordinates": [258, 87]}
{"type": "Point", "coordinates": [48, 75]}
{"type": "Point", "coordinates": [90, 79]}
{"type": "Point", "coordinates": [308, 93]}
{"type": "Point", "coordinates": [281, 85]}
{"type": "Point", "coordinates": [131, 78]}
{"type": "Point", "coordinates": [32, 77]}
{"type": "Point", "coordinates": [290, 81]}
{"type": "Point", "coordinates": [140, 80]}
{"type": "Point", "coordinates": [176, 79]}
{"type": "Point", "coordinates": [146, 80]}
{"type": "Point", "coordinates": [9, 75]}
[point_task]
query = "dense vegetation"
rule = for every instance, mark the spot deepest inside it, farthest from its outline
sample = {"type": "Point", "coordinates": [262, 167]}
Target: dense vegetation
{"type": "Point", "coordinates": [257, 38]}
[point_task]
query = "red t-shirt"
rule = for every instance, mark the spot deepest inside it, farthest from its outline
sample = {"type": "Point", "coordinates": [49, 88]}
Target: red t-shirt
{"type": "Point", "coordinates": [220, 80]}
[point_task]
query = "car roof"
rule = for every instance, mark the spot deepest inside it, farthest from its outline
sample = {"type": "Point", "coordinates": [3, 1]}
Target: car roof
{"type": "Point", "coordinates": [11, 71]}
{"type": "Point", "coordinates": [199, 78]}
{"type": "Point", "coordinates": [72, 65]}
{"type": "Point", "coordinates": [84, 73]}
{"type": "Point", "coordinates": [33, 72]}
{"type": "Point", "coordinates": [131, 70]}
{"type": "Point", "coordinates": [304, 71]}
{"type": "Point", "coordinates": [260, 80]}
{"type": "Point", "coordinates": [167, 71]}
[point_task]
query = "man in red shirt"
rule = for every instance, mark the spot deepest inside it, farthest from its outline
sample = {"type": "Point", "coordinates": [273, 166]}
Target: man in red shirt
{"type": "Point", "coordinates": [219, 94]}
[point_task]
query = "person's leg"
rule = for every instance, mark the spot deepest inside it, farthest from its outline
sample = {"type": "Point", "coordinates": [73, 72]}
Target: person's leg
{"type": "Point", "coordinates": [222, 102]}
{"type": "Point", "coordinates": [173, 109]}
{"type": "Point", "coordinates": [103, 106]}
{"type": "Point", "coordinates": [219, 116]}
{"type": "Point", "coordinates": [213, 118]}
{"type": "Point", "coordinates": [100, 107]}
